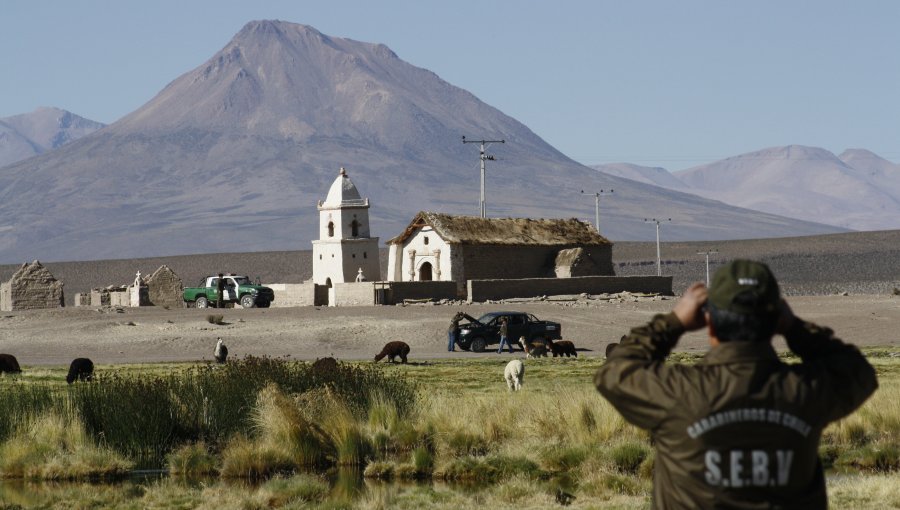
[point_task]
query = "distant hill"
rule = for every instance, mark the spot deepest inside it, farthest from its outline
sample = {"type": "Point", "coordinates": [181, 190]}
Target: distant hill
{"type": "Point", "coordinates": [857, 190]}
{"type": "Point", "coordinates": [234, 155]}
{"type": "Point", "coordinates": [656, 176]}
{"type": "Point", "coordinates": [29, 134]}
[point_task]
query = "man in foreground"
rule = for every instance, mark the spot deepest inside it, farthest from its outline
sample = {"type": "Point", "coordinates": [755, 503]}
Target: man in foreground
{"type": "Point", "coordinates": [740, 429]}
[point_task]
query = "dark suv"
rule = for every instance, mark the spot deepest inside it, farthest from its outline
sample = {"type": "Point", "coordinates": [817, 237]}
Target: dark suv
{"type": "Point", "coordinates": [479, 333]}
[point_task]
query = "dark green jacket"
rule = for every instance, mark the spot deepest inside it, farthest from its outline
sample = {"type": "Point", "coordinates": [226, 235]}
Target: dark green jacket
{"type": "Point", "coordinates": [740, 429]}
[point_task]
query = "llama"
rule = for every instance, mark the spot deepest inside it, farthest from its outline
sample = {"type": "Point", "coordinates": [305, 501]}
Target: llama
{"type": "Point", "coordinates": [221, 352]}
{"type": "Point", "coordinates": [392, 350]}
{"type": "Point", "coordinates": [81, 369]}
{"type": "Point", "coordinates": [514, 374]}
{"type": "Point", "coordinates": [534, 350]}
{"type": "Point", "coordinates": [562, 347]}
{"type": "Point", "coordinates": [9, 364]}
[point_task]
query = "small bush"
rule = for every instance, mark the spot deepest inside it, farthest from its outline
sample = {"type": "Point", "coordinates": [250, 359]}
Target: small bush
{"type": "Point", "coordinates": [218, 320]}
{"type": "Point", "coordinates": [192, 460]}
{"type": "Point", "coordinates": [629, 456]}
{"type": "Point", "coordinates": [379, 470]}
{"type": "Point", "coordinates": [463, 443]}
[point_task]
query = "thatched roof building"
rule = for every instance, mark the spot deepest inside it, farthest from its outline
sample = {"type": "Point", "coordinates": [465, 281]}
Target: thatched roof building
{"type": "Point", "coordinates": [455, 229]}
{"type": "Point", "coordinates": [437, 246]}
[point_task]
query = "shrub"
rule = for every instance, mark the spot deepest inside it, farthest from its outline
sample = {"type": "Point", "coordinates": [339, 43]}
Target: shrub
{"type": "Point", "coordinates": [218, 320]}
{"type": "Point", "coordinates": [194, 459]}
{"type": "Point", "coordinates": [629, 456]}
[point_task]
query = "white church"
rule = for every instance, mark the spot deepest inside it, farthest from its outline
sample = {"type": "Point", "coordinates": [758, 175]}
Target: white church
{"type": "Point", "coordinates": [344, 252]}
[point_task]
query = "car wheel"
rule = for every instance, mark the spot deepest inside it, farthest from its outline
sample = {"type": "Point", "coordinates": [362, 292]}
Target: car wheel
{"type": "Point", "coordinates": [247, 301]}
{"type": "Point", "coordinates": [202, 302]}
{"type": "Point", "coordinates": [478, 344]}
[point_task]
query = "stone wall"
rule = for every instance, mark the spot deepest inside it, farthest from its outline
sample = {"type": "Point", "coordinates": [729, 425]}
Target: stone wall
{"type": "Point", "coordinates": [399, 291]}
{"type": "Point", "coordinates": [82, 299]}
{"type": "Point", "coordinates": [99, 297]}
{"type": "Point", "coordinates": [481, 261]}
{"type": "Point", "coordinates": [293, 294]}
{"type": "Point", "coordinates": [120, 297]}
{"type": "Point", "coordinates": [354, 294]}
{"type": "Point", "coordinates": [165, 288]}
{"type": "Point", "coordinates": [483, 290]}
{"type": "Point", "coordinates": [31, 287]}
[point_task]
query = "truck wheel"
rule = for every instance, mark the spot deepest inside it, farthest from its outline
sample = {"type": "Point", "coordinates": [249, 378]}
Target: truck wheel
{"type": "Point", "coordinates": [247, 301]}
{"type": "Point", "coordinates": [202, 302]}
{"type": "Point", "coordinates": [478, 344]}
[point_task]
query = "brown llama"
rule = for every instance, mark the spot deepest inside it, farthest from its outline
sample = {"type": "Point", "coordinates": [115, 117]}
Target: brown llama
{"type": "Point", "coordinates": [393, 350]}
{"type": "Point", "coordinates": [562, 347]}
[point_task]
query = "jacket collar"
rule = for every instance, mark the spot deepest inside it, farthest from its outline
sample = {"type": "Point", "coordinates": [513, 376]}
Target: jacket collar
{"type": "Point", "coordinates": [736, 352]}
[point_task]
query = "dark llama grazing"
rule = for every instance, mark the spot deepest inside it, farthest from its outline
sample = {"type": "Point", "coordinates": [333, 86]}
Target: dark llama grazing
{"type": "Point", "coordinates": [9, 364]}
{"type": "Point", "coordinates": [81, 369]}
{"type": "Point", "coordinates": [392, 350]}
{"type": "Point", "coordinates": [562, 347]}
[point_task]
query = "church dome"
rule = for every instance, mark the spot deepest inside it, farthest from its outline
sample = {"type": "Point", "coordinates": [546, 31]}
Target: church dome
{"type": "Point", "coordinates": [343, 193]}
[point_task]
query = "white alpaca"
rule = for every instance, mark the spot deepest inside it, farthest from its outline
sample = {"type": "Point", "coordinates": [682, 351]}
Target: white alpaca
{"type": "Point", "coordinates": [514, 375]}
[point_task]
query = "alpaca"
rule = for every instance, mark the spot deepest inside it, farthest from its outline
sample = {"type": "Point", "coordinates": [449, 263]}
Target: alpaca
{"type": "Point", "coordinates": [514, 375]}
{"type": "Point", "coordinates": [562, 347]}
{"type": "Point", "coordinates": [392, 350]}
{"type": "Point", "coordinates": [9, 364]}
{"type": "Point", "coordinates": [81, 369]}
{"type": "Point", "coordinates": [534, 350]}
{"type": "Point", "coordinates": [221, 352]}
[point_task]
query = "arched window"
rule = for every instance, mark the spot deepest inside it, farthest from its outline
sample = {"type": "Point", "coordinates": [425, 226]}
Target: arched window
{"type": "Point", "coordinates": [354, 228]}
{"type": "Point", "coordinates": [425, 272]}
{"type": "Point", "coordinates": [328, 282]}
{"type": "Point", "coordinates": [330, 229]}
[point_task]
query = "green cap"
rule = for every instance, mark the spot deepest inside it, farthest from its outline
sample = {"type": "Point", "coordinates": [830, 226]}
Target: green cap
{"type": "Point", "coordinates": [745, 286]}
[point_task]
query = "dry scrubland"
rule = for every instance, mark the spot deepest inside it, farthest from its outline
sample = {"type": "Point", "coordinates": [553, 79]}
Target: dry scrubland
{"type": "Point", "coordinates": [858, 263]}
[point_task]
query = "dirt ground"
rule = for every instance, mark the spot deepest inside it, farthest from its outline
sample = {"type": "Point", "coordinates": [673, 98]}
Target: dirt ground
{"type": "Point", "coordinates": [55, 337]}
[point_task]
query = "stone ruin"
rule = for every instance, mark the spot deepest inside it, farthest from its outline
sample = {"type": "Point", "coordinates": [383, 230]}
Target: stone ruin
{"type": "Point", "coordinates": [574, 262]}
{"type": "Point", "coordinates": [162, 288]}
{"type": "Point", "coordinates": [31, 287]}
{"type": "Point", "coordinates": [165, 288]}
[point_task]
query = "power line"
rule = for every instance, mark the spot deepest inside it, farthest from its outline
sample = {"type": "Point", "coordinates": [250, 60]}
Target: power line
{"type": "Point", "coordinates": [483, 157]}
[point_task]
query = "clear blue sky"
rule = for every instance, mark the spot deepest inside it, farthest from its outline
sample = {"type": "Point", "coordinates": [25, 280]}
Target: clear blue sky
{"type": "Point", "coordinates": [661, 83]}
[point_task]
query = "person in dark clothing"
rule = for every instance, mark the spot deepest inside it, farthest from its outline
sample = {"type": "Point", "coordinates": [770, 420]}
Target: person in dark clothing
{"type": "Point", "coordinates": [504, 332]}
{"type": "Point", "coordinates": [739, 429]}
{"type": "Point", "coordinates": [453, 331]}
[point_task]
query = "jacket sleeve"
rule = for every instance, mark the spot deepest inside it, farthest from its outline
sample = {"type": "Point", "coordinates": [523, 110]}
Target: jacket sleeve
{"type": "Point", "coordinates": [635, 378]}
{"type": "Point", "coordinates": [838, 375]}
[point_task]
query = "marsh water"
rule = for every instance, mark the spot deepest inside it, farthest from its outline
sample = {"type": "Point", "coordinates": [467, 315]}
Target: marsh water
{"type": "Point", "coordinates": [346, 484]}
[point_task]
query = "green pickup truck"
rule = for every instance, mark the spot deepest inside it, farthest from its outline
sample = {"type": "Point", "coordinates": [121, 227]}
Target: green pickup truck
{"type": "Point", "coordinates": [235, 289]}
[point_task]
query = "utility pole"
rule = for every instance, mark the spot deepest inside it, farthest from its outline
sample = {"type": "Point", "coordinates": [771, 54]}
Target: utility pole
{"type": "Point", "coordinates": [658, 259]}
{"type": "Point", "coordinates": [597, 206]}
{"type": "Point", "coordinates": [707, 253]}
{"type": "Point", "coordinates": [484, 157]}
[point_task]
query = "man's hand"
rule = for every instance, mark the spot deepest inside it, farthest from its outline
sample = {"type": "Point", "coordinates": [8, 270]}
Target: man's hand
{"type": "Point", "coordinates": [689, 309]}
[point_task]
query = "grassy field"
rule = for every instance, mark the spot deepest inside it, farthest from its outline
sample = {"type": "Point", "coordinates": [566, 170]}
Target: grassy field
{"type": "Point", "coordinates": [456, 439]}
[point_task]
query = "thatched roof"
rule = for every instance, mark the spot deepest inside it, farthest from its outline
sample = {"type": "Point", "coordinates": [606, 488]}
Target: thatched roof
{"type": "Point", "coordinates": [505, 231]}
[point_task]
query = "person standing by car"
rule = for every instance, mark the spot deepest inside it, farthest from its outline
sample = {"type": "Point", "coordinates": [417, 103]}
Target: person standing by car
{"type": "Point", "coordinates": [453, 331]}
{"type": "Point", "coordinates": [740, 428]}
{"type": "Point", "coordinates": [504, 331]}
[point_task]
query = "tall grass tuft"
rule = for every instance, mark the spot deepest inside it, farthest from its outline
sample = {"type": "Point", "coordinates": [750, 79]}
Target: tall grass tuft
{"type": "Point", "coordinates": [52, 447]}
{"type": "Point", "coordinates": [192, 460]}
{"type": "Point", "coordinates": [21, 403]}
